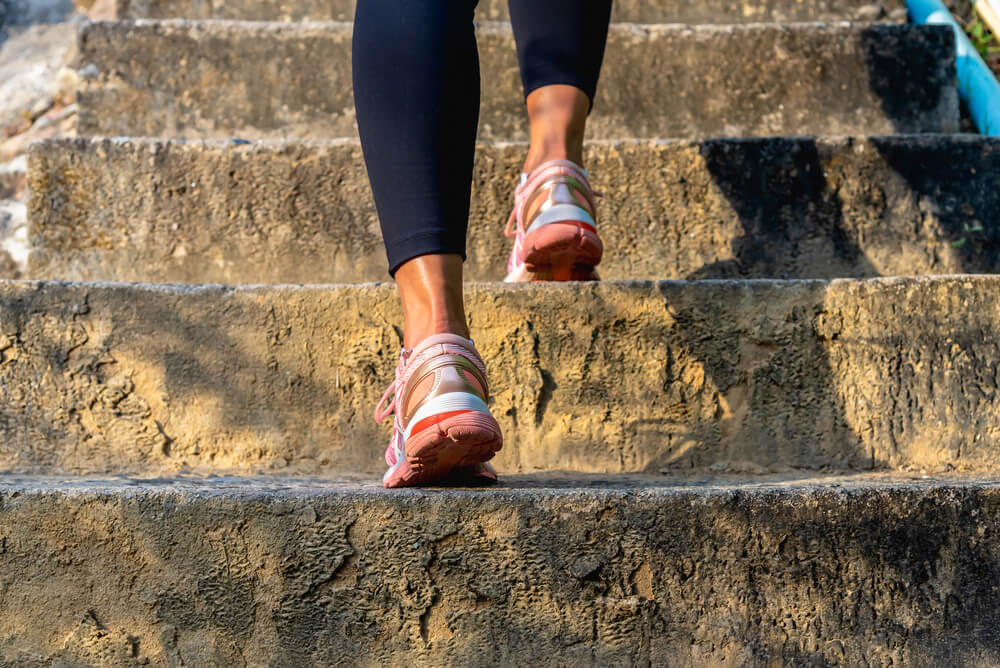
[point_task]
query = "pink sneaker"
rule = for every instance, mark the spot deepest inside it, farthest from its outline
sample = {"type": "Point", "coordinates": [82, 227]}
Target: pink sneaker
{"type": "Point", "coordinates": [556, 235]}
{"type": "Point", "coordinates": [442, 423]}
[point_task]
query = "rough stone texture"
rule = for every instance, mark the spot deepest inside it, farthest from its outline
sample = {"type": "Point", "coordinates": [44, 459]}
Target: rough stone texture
{"type": "Point", "coordinates": [639, 11]}
{"type": "Point", "coordinates": [226, 79]}
{"type": "Point", "coordinates": [588, 377]}
{"type": "Point", "coordinates": [290, 212]}
{"type": "Point", "coordinates": [298, 573]}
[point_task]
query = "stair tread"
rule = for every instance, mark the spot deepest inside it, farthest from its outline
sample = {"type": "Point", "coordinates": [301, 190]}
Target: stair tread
{"type": "Point", "coordinates": [616, 376]}
{"type": "Point", "coordinates": [549, 484]}
{"type": "Point", "coordinates": [293, 573]}
{"type": "Point", "coordinates": [288, 211]}
{"type": "Point", "coordinates": [202, 79]}
{"type": "Point", "coordinates": [718, 11]}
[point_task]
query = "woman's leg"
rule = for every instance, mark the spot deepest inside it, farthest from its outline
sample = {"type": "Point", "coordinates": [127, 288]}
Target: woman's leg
{"type": "Point", "coordinates": [557, 114]}
{"type": "Point", "coordinates": [416, 89]}
{"type": "Point", "coordinates": [560, 47]}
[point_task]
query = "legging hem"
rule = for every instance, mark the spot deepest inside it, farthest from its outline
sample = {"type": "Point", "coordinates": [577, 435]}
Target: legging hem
{"type": "Point", "coordinates": [401, 251]}
{"type": "Point", "coordinates": [557, 80]}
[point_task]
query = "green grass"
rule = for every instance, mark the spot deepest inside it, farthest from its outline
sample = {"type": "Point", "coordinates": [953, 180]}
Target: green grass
{"type": "Point", "coordinates": [985, 42]}
{"type": "Point", "coordinates": [970, 231]}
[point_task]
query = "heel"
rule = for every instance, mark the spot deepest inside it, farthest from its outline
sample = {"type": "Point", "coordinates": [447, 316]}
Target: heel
{"type": "Point", "coordinates": [565, 251]}
{"type": "Point", "coordinates": [454, 441]}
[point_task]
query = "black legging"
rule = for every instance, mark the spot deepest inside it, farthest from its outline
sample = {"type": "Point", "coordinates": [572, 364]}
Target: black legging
{"type": "Point", "coordinates": [416, 90]}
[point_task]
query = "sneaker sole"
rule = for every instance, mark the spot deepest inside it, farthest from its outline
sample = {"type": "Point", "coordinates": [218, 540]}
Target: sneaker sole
{"type": "Point", "coordinates": [454, 442]}
{"type": "Point", "coordinates": [562, 252]}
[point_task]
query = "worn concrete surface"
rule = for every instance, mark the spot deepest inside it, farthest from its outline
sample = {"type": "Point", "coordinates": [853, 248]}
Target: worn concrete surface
{"type": "Point", "coordinates": [640, 11]}
{"type": "Point", "coordinates": [234, 79]}
{"type": "Point", "coordinates": [301, 211]}
{"type": "Point", "coordinates": [599, 377]}
{"type": "Point", "coordinates": [223, 572]}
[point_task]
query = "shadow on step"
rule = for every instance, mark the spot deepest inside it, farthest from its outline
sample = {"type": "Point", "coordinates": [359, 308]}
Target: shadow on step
{"type": "Point", "coordinates": [793, 226]}
{"type": "Point", "coordinates": [132, 378]}
{"type": "Point", "coordinates": [792, 217]}
{"type": "Point", "coordinates": [950, 198]}
{"type": "Point", "coordinates": [839, 378]}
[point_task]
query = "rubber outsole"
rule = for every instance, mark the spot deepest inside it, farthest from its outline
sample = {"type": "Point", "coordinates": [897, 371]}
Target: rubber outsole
{"type": "Point", "coordinates": [562, 252]}
{"type": "Point", "coordinates": [455, 443]}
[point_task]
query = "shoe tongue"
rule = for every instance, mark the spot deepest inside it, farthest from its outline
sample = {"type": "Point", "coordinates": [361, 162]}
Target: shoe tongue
{"type": "Point", "coordinates": [438, 339]}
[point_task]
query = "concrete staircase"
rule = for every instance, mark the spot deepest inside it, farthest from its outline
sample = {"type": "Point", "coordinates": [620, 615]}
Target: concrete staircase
{"type": "Point", "coordinates": [788, 464]}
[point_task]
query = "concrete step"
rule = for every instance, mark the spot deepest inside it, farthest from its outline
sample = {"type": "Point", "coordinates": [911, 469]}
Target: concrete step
{"type": "Point", "coordinates": [613, 377]}
{"type": "Point", "coordinates": [226, 79]}
{"type": "Point", "coordinates": [298, 211]}
{"type": "Point", "coordinates": [583, 572]}
{"type": "Point", "coordinates": [632, 11]}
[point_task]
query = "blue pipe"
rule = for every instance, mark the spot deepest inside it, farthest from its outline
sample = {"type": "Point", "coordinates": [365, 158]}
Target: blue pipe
{"type": "Point", "coordinates": [976, 84]}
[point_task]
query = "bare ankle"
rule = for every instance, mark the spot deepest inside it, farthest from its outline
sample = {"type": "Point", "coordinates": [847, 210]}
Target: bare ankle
{"type": "Point", "coordinates": [417, 332]}
{"type": "Point", "coordinates": [558, 116]}
{"type": "Point", "coordinates": [553, 148]}
{"type": "Point", "coordinates": [430, 289]}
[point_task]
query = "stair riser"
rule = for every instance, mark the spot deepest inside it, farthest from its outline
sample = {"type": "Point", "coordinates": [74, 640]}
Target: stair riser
{"type": "Point", "coordinates": [609, 377]}
{"type": "Point", "coordinates": [318, 577]}
{"type": "Point", "coordinates": [206, 80]}
{"type": "Point", "coordinates": [302, 212]}
{"type": "Point", "coordinates": [636, 11]}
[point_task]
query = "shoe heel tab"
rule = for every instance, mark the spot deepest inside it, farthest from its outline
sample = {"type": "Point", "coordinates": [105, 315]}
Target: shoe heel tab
{"type": "Point", "coordinates": [439, 339]}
